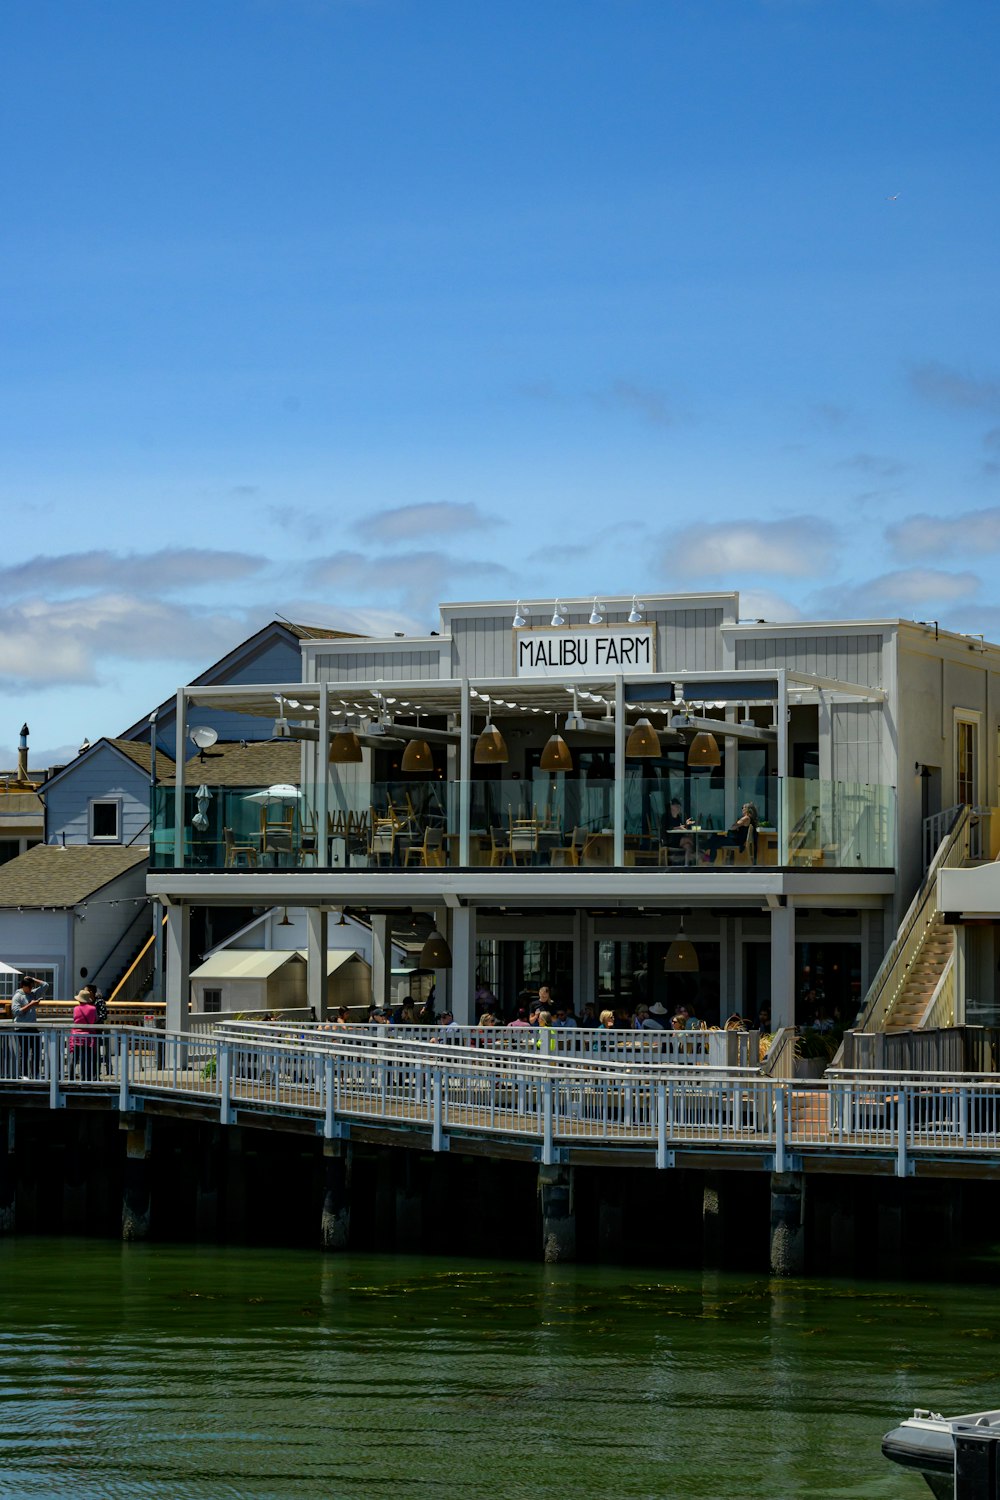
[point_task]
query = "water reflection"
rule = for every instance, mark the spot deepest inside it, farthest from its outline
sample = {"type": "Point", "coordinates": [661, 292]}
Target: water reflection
{"type": "Point", "coordinates": [163, 1371]}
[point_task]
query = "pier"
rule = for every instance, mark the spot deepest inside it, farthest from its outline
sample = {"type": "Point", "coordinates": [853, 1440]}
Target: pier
{"type": "Point", "coordinates": [449, 1094]}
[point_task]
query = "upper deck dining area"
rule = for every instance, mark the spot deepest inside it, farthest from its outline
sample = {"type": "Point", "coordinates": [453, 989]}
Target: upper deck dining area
{"type": "Point", "coordinates": [667, 773]}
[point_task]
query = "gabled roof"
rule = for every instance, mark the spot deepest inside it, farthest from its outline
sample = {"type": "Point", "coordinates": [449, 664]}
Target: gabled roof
{"type": "Point", "coordinates": [58, 875]}
{"type": "Point", "coordinates": [220, 670]}
{"type": "Point", "coordinates": [245, 963]}
{"type": "Point", "coordinates": [133, 751]}
{"type": "Point", "coordinates": [240, 763]}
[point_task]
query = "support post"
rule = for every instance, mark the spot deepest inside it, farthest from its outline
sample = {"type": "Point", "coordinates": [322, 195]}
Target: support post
{"type": "Point", "coordinates": [463, 961]}
{"type": "Point", "coordinates": [322, 789]}
{"type": "Point", "coordinates": [381, 961]}
{"type": "Point", "coordinates": [465, 776]}
{"type": "Point", "coordinates": [335, 1225]}
{"type": "Point", "coordinates": [712, 1221]}
{"type": "Point", "coordinates": [782, 966]}
{"type": "Point", "coordinates": [316, 943]}
{"type": "Point", "coordinates": [178, 967]}
{"type": "Point", "coordinates": [731, 770]}
{"type": "Point", "coordinates": [180, 743]}
{"type": "Point", "coordinates": [555, 1188]}
{"type": "Point", "coordinates": [583, 961]}
{"type": "Point", "coordinates": [8, 1176]}
{"type": "Point", "coordinates": [136, 1185]}
{"type": "Point", "coordinates": [619, 788]}
{"type": "Point", "coordinates": [788, 1235]}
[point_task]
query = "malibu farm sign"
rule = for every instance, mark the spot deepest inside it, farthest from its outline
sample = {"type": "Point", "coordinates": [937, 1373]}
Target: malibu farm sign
{"type": "Point", "coordinates": [595, 651]}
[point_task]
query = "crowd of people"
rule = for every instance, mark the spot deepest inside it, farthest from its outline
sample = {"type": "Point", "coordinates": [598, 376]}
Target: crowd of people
{"type": "Point", "coordinates": [541, 1009]}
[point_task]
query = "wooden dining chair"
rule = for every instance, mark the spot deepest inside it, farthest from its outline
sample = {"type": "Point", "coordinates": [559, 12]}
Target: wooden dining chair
{"type": "Point", "coordinates": [499, 848]}
{"type": "Point", "coordinates": [235, 853]}
{"type": "Point", "coordinates": [428, 853]}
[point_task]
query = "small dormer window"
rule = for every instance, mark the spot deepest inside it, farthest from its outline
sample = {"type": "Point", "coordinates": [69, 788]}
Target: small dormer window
{"type": "Point", "coordinates": [106, 820]}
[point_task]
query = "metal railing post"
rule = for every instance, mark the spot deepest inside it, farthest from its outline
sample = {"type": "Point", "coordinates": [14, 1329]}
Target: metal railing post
{"type": "Point", "coordinates": [437, 1111]}
{"type": "Point", "coordinates": [328, 1098]}
{"type": "Point", "coordinates": [52, 1060]}
{"type": "Point", "coordinates": [224, 1075]}
{"type": "Point", "coordinates": [901, 1114]}
{"type": "Point", "coordinates": [548, 1146]}
{"type": "Point", "coordinates": [661, 1126]}
{"type": "Point", "coordinates": [780, 1150]}
{"type": "Point", "coordinates": [124, 1104]}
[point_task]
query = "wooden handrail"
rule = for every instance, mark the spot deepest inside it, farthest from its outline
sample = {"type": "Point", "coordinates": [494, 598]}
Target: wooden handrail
{"type": "Point", "coordinates": [136, 961]}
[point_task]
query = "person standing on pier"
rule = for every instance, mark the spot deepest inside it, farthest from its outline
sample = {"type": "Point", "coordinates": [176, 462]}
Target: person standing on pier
{"type": "Point", "coordinates": [23, 1008]}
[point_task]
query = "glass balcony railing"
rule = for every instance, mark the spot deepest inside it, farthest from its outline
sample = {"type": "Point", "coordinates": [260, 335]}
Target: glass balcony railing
{"type": "Point", "coordinates": [548, 822]}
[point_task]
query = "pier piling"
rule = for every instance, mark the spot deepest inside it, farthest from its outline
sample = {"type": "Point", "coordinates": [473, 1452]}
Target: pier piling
{"type": "Point", "coordinates": [136, 1192]}
{"type": "Point", "coordinates": [335, 1224]}
{"type": "Point", "coordinates": [788, 1236]}
{"type": "Point", "coordinates": [555, 1187]}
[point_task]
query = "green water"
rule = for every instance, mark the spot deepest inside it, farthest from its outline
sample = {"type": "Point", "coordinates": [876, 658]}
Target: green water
{"type": "Point", "coordinates": [152, 1371]}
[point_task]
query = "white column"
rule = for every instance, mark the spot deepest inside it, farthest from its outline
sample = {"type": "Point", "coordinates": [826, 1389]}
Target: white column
{"type": "Point", "coordinates": [316, 944]}
{"type": "Point", "coordinates": [463, 964]}
{"type": "Point", "coordinates": [583, 961]}
{"type": "Point", "coordinates": [178, 985]}
{"type": "Point", "coordinates": [731, 770]}
{"type": "Point", "coordinates": [961, 974]}
{"type": "Point", "coordinates": [782, 729]}
{"type": "Point", "coordinates": [321, 794]}
{"type": "Point", "coordinates": [381, 961]}
{"type": "Point", "coordinates": [180, 742]}
{"type": "Point", "coordinates": [464, 776]}
{"type": "Point", "coordinates": [782, 966]}
{"type": "Point", "coordinates": [619, 797]}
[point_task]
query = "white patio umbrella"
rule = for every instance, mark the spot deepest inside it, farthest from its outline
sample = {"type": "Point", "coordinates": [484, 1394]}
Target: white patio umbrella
{"type": "Point", "coordinates": [282, 792]}
{"type": "Point", "coordinates": [9, 969]}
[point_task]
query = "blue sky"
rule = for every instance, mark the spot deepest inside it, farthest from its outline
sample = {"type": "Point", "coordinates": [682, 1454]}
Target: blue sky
{"type": "Point", "coordinates": [342, 307]}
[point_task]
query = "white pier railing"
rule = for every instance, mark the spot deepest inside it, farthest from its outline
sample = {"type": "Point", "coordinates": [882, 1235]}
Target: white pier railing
{"type": "Point", "coordinates": [551, 1102]}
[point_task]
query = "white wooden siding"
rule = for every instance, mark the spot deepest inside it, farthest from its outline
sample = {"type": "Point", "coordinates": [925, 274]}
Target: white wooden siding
{"type": "Point", "coordinates": [104, 774]}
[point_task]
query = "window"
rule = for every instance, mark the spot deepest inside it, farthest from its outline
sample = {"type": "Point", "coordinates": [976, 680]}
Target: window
{"type": "Point", "coordinates": [966, 758]}
{"type": "Point", "coordinates": [9, 849]}
{"type": "Point", "coordinates": [212, 1001]}
{"type": "Point", "coordinates": [44, 973]}
{"type": "Point", "coordinates": [105, 821]}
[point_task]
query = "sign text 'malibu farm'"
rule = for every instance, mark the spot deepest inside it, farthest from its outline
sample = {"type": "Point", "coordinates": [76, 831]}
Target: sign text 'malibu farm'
{"type": "Point", "coordinates": [596, 652]}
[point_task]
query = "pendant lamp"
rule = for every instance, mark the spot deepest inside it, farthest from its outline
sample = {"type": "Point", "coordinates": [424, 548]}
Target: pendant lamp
{"type": "Point", "coordinates": [435, 954]}
{"type": "Point", "coordinates": [491, 747]}
{"type": "Point", "coordinates": [556, 756]}
{"type": "Point", "coordinates": [704, 750]}
{"type": "Point", "coordinates": [680, 957]}
{"type": "Point", "coordinates": [345, 749]}
{"type": "Point", "coordinates": [417, 756]}
{"type": "Point", "coordinates": [643, 742]}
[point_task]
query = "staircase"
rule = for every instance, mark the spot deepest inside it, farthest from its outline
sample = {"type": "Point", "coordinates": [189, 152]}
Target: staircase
{"type": "Point", "coordinates": [923, 978]}
{"type": "Point", "coordinates": [914, 986]}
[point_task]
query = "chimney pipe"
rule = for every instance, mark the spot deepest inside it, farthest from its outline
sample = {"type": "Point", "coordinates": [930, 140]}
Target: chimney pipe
{"type": "Point", "coordinates": [22, 755]}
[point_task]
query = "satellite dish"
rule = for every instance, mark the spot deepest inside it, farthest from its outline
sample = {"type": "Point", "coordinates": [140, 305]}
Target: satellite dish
{"type": "Point", "coordinates": [203, 737]}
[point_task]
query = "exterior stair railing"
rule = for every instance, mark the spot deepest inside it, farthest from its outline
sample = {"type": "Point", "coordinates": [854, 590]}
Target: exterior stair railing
{"type": "Point", "coordinates": [921, 917]}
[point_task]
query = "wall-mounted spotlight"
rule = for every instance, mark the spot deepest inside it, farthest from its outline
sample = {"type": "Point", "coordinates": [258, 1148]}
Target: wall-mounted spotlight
{"type": "Point", "coordinates": [557, 615]}
{"type": "Point", "coordinates": [521, 613]}
{"type": "Point", "coordinates": [635, 613]}
{"type": "Point", "coordinates": [597, 613]}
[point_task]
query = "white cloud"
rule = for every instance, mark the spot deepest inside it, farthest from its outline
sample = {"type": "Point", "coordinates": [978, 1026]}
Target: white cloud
{"type": "Point", "coordinates": [762, 604]}
{"type": "Point", "coordinates": [908, 592]}
{"type": "Point", "coordinates": [642, 401]}
{"type": "Point", "coordinates": [412, 581]}
{"type": "Point", "coordinates": [969, 531]}
{"type": "Point", "coordinates": [411, 523]}
{"type": "Point", "coordinates": [951, 388]}
{"type": "Point", "coordinates": [170, 570]}
{"type": "Point", "coordinates": [797, 547]}
{"type": "Point", "coordinates": [45, 643]}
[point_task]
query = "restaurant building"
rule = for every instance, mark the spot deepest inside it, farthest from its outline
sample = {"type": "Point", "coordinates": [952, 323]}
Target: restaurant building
{"type": "Point", "coordinates": [515, 781]}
